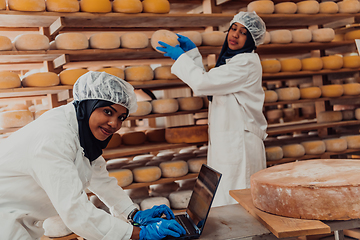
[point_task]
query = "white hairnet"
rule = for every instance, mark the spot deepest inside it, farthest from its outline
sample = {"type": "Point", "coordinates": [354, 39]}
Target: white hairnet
{"type": "Point", "coordinates": [104, 86]}
{"type": "Point", "coordinates": [254, 24]}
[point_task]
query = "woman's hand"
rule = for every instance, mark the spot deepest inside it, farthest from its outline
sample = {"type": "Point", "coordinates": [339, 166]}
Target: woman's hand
{"type": "Point", "coordinates": [160, 229]}
{"type": "Point", "coordinates": [170, 51]}
{"type": "Point", "coordinates": [185, 43]}
{"type": "Point", "coordinates": [147, 216]}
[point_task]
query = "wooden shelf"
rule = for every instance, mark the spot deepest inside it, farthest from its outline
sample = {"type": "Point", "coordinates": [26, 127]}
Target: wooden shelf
{"type": "Point", "coordinates": [158, 84]}
{"type": "Point", "coordinates": [32, 91]}
{"type": "Point", "coordinates": [156, 115]}
{"type": "Point", "coordinates": [309, 100]}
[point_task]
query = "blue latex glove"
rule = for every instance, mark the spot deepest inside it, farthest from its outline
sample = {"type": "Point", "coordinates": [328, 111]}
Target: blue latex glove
{"type": "Point", "coordinates": [160, 229]}
{"type": "Point", "coordinates": [170, 51]}
{"type": "Point", "coordinates": [147, 216]}
{"type": "Point", "coordinates": [185, 43]}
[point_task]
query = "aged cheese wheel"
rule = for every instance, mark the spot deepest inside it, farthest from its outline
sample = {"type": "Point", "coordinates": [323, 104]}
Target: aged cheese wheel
{"type": "Point", "coordinates": [133, 138]}
{"type": "Point", "coordinates": [153, 201]}
{"type": "Point", "coordinates": [95, 6]}
{"type": "Point", "coordinates": [314, 147]}
{"type": "Point", "coordinates": [164, 72]}
{"type": "Point", "coordinates": [155, 135]}
{"type": "Point", "coordinates": [274, 153]}
{"type": "Point", "coordinates": [357, 113]}
{"type": "Point", "coordinates": [9, 80]}
{"type": "Point", "coordinates": [114, 142]}
{"type": "Point", "coordinates": [267, 38]}
{"type": "Point", "coordinates": [308, 7]}
{"type": "Point", "coordinates": [177, 168]}
{"type": "Point", "coordinates": [323, 35]}
{"type": "Point", "coordinates": [123, 176]}
{"type": "Point", "coordinates": [31, 41]}
{"type": "Point", "coordinates": [169, 105]}
{"type": "Point", "coordinates": [71, 41]}
{"type": "Point", "coordinates": [27, 5]}
{"type": "Point", "coordinates": [261, 7]}
{"type": "Point", "coordinates": [351, 61]}
{"type": "Point", "coordinates": [62, 5]}
{"type": "Point", "coordinates": [134, 40]}
{"type": "Point", "coordinates": [116, 163]}
{"type": "Point", "coordinates": [127, 6]}
{"type": "Point", "coordinates": [333, 90]}
{"type": "Point", "coordinates": [274, 115]}
{"type": "Point", "coordinates": [311, 64]}
{"type": "Point", "coordinates": [285, 8]}
{"type": "Point", "coordinates": [214, 38]}
{"type": "Point", "coordinates": [190, 103]}
{"type": "Point", "coordinates": [139, 73]}
{"type": "Point", "coordinates": [156, 6]}
{"type": "Point", "coordinates": [329, 116]}
{"type": "Point", "coordinates": [353, 141]}
{"type": "Point", "coordinates": [310, 92]}
{"type": "Point", "coordinates": [144, 108]}
{"type": "Point", "coordinates": [352, 35]}
{"type": "Point", "coordinates": [293, 150]}
{"type": "Point", "coordinates": [281, 36]}
{"type": "Point", "coordinates": [165, 36]}
{"type": "Point", "coordinates": [328, 7]}
{"type": "Point", "coordinates": [301, 35]}
{"type": "Point", "coordinates": [194, 36]}
{"type": "Point", "coordinates": [332, 62]}
{"type": "Point", "coordinates": [290, 65]}
{"type": "Point", "coordinates": [187, 134]}
{"type": "Point", "coordinates": [55, 227]}
{"type": "Point", "coordinates": [104, 40]}
{"type": "Point", "coordinates": [348, 114]}
{"type": "Point", "coordinates": [70, 76]}
{"type": "Point", "coordinates": [5, 44]}
{"type": "Point", "coordinates": [118, 72]}
{"type": "Point", "coordinates": [335, 144]}
{"type": "Point", "coordinates": [339, 37]}
{"type": "Point", "coordinates": [270, 96]}
{"type": "Point", "coordinates": [290, 93]}
{"type": "Point", "coordinates": [349, 6]}
{"type": "Point", "coordinates": [180, 199]}
{"type": "Point", "coordinates": [3, 5]}
{"type": "Point", "coordinates": [41, 79]}
{"type": "Point", "coordinates": [15, 118]}
{"type": "Point", "coordinates": [147, 174]}
{"type": "Point", "coordinates": [195, 164]}
{"type": "Point", "coordinates": [351, 89]}
{"type": "Point", "coordinates": [271, 65]}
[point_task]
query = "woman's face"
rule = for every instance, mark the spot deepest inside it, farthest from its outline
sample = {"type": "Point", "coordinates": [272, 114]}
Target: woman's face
{"type": "Point", "coordinates": [105, 121]}
{"type": "Point", "coordinates": [237, 36]}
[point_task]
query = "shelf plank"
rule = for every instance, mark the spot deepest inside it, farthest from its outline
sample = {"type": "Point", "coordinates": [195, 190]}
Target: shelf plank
{"type": "Point", "coordinates": [158, 84]}
{"type": "Point", "coordinates": [156, 115]}
{"type": "Point", "coordinates": [311, 100]}
{"type": "Point", "coordinates": [32, 91]}
{"type": "Point", "coordinates": [300, 74]}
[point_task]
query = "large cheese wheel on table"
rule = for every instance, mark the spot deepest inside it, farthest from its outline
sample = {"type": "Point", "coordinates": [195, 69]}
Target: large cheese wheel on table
{"type": "Point", "coordinates": [333, 90]}
{"type": "Point", "coordinates": [71, 41]}
{"type": "Point", "coordinates": [190, 103]}
{"type": "Point", "coordinates": [5, 44]}
{"type": "Point", "coordinates": [187, 134]}
{"type": "Point", "coordinates": [351, 89]}
{"type": "Point", "coordinates": [70, 76]}
{"type": "Point", "coordinates": [9, 80]}
{"type": "Point", "coordinates": [31, 42]}
{"type": "Point", "coordinates": [329, 116]}
{"type": "Point", "coordinates": [261, 6]}
{"type": "Point", "coordinates": [281, 36]}
{"type": "Point", "coordinates": [353, 141]}
{"type": "Point", "coordinates": [147, 174]}
{"type": "Point", "coordinates": [169, 105]}
{"type": "Point", "coordinates": [349, 6]}
{"type": "Point", "coordinates": [127, 6]}
{"type": "Point", "coordinates": [123, 176]}
{"type": "Point", "coordinates": [165, 36]}
{"type": "Point", "coordinates": [104, 40]}
{"type": "Point", "coordinates": [139, 73]}
{"type": "Point", "coordinates": [308, 7]}
{"type": "Point", "coordinates": [118, 72]}
{"type": "Point", "coordinates": [41, 79]}
{"type": "Point", "coordinates": [290, 65]}
{"type": "Point", "coordinates": [332, 62]}
{"type": "Point", "coordinates": [164, 72]}
{"type": "Point", "coordinates": [176, 168]}
{"type": "Point", "coordinates": [312, 64]}
{"type": "Point", "coordinates": [134, 40]}
{"type": "Point", "coordinates": [144, 108]}
{"type": "Point", "coordinates": [323, 34]}
{"type": "Point", "coordinates": [335, 144]}
{"type": "Point", "coordinates": [274, 153]}
{"type": "Point", "coordinates": [328, 7]}
{"type": "Point", "coordinates": [301, 36]}
{"type": "Point", "coordinates": [214, 38]}
{"type": "Point", "coordinates": [352, 61]}
{"type": "Point", "coordinates": [314, 147]}
{"type": "Point", "coordinates": [62, 5]}
{"type": "Point", "coordinates": [95, 6]}
{"type": "Point", "coordinates": [285, 8]}
{"type": "Point", "coordinates": [194, 36]}
{"type": "Point", "coordinates": [27, 5]}
{"type": "Point", "coordinates": [156, 6]}
{"type": "Point", "coordinates": [270, 65]}
{"type": "Point", "coordinates": [310, 92]}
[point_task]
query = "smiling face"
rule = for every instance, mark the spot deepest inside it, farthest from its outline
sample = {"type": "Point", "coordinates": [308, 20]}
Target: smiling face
{"type": "Point", "coordinates": [237, 36]}
{"type": "Point", "coordinates": [105, 121]}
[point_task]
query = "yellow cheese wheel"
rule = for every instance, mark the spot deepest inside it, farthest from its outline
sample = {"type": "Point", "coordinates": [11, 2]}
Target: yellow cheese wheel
{"type": "Point", "coordinates": [133, 138]}
{"type": "Point", "coordinates": [332, 62]}
{"type": "Point", "coordinates": [194, 36]}
{"type": "Point", "coordinates": [95, 6]}
{"type": "Point", "coordinates": [285, 8]}
{"type": "Point", "coordinates": [139, 73]}
{"type": "Point", "coordinates": [290, 93]}
{"type": "Point", "coordinates": [114, 142]}
{"type": "Point", "coordinates": [155, 135]}
{"type": "Point", "coordinates": [71, 41]}
{"type": "Point", "coordinates": [293, 150]}
{"type": "Point", "coordinates": [9, 80]}
{"type": "Point", "coordinates": [165, 36]}
{"type": "Point", "coordinates": [270, 96]}
{"type": "Point", "coordinates": [339, 37]}
{"type": "Point", "coordinates": [62, 5]}
{"type": "Point", "coordinates": [353, 141]}
{"type": "Point", "coordinates": [328, 7]}
{"type": "Point", "coordinates": [329, 116]}
{"type": "Point", "coordinates": [27, 5]}
{"type": "Point", "coordinates": [271, 65]}
{"type": "Point", "coordinates": [333, 90]}
{"type": "Point", "coordinates": [357, 113]}
{"type": "Point", "coordinates": [310, 92]}
{"type": "Point", "coordinates": [308, 7]}
{"type": "Point", "coordinates": [156, 6]}
{"type": "Point", "coordinates": [261, 7]}
{"type": "Point", "coordinates": [351, 89]}
{"type": "Point", "coordinates": [31, 41]}
{"type": "Point", "coordinates": [3, 5]}
{"type": "Point", "coordinates": [351, 61]}
{"type": "Point", "coordinates": [323, 35]}
{"type": "Point", "coordinates": [144, 108]}
{"type": "Point", "coordinates": [352, 35]}
{"type": "Point", "coordinates": [290, 65]}
{"type": "Point", "coordinates": [301, 35]}
{"type": "Point", "coordinates": [281, 36]}
{"type": "Point", "coordinates": [15, 118]}
{"type": "Point", "coordinates": [187, 134]}
{"type": "Point", "coordinates": [127, 6]}
{"type": "Point", "coordinates": [169, 105]}
{"type": "Point", "coordinates": [195, 164]}
{"type": "Point", "coordinates": [274, 153]}
{"type": "Point", "coordinates": [335, 144]}
{"type": "Point", "coordinates": [118, 72]}
{"type": "Point", "coordinates": [146, 174]}
{"type": "Point", "coordinates": [104, 40]}
{"type": "Point", "coordinates": [214, 38]}
{"type": "Point", "coordinates": [41, 79]}
{"type": "Point", "coordinates": [267, 38]}
{"type": "Point", "coordinates": [174, 168]}
{"type": "Point", "coordinates": [349, 6]}
{"type": "Point", "coordinates": [164, 72]}
{"type": "Point", "coordinates": [123, 176]}
{"type": "Point", "coordinates": [134, 40]}
{"type": "Point", "coordinates": [190, 103]}
{"type": "Point", "coordinates": [70, 76]}
{"type": "Point", "coordinates": [311, 64]}
{"type": "Point", "coordinates": [5, 44]}
{"type": "Point", "coordinates": [314, 147]}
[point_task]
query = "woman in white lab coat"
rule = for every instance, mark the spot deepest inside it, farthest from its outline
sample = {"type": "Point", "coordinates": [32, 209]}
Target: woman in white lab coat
{"type": "Point", "coordinates": [46, 166]}
{"type": "Point", "coordinates": [237, 126]}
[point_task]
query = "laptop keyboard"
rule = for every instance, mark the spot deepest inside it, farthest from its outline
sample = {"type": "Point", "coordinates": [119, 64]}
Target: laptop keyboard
{"type": "Point", "coordinates": [185, 224]}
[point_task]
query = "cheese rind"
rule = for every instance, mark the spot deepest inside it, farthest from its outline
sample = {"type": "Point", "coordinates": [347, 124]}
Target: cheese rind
{"type": "Point", "coordinates": [308, 7]}
{"type": "Point", "coordinates": [134, 40]}
{"type": "Point", "coordinates": [290, 65]}
{"type": "Point", "coordinates": [70, 76]}
{"type": "Point", "coordinates": [41, 79]}
{"type": "Point", "coordinates": [95, 6]}
{"type": "Point", "coordinates": [180, 199]}
{"type": "Point", "coordinates": [353, 141]}
{"type": "Point", "coordinates": [144, 108]}
{"type": "Point", "coordinates": [351, 61]}
{"type": "Point", "coordinates": [147, 174]}
{"type": "Point", "coordinates": [214, 38]}
{"type": "Point", "coordinates": [190, 103]}
{"type": "Point", "coordinates": [164, 72]}
{"type": "Point", "coordinates": [323, 35]}
{"type": "Point", "coordinates": [310, 92]}
{"type": "Point", "coordinates": [15, 118]}
{"type": "Point", "coordinates": [165, 36]}
{"type": "Point", "coordinates": [5, 44]}
{"type": "Point", "coordinates": [329, 116]}
{"type": "Point", "coordinates": [114, 142]}
{"type": "Point", "coordinates": [127, 6]}
{"type": "Point", "coordinates": [333, 90]}
{"type": "Point", "coordinates": [27, 5]}
{"type": "Point", "coordinates": [351, 35]}
{"type": "Point", "coordinates": [123, 176]}
{"type": "Point", "coordinates": [314, 147]}
{"type": "Point", "coordinates": [9, 80]}
{"type": "Point", "coordinates": [349, 6]}
{"type": "Point", "coordinates": [71, 41]}
{"type": "Point", "coordinates": [187, 134]}
{"type": "Point", "coordinates": [351, 89]}
{"type": "Point", "coordinates": [156, 6]}
{"type": "Point", "coordinates": [195, 164]}
{"type": "Point", "coordinates": [271, 65]}
{"type": "Point", "coordinates": [285, 8]}
{"type": "Point", "coordinates": [261, 6]}
{"type": "Point", "coordinates": [194, 36]}
{"type": "Point", "coordinates": [270, 96]}
{"type": "Point", "coordinates": [281, 36]}
{"type": "Point", "coordinates": [332, 62]}
{"type": "Point", "coordinates": [155, 135]}
{"type": "Point", "coordinates": [173, 168]}
{"type": "Point", "coordinates": [31, 42]}
{"type": "Point", "coordinates": [293, 150]}
{"type": "Point", "coordinates": [104, 40]}
{"type": "Point", "coordinates": [335, 144]}
{"type": "Point", "coordinates": [169, 105]}
{"type": "Point", "coordinates": [118, 72]}
{"type": "Point", "coordinates": [311, 64]}
{"type": "Point", "coordinates": [139, 73]}
{"type": "Point", "coordinates": [301, 36]}
{"type": "Point", "coordinates": [328, 7]}
{"type": "Point", "coordinates": [62, 5]}
{"type": "Point", "coordinates": [290, 93]}
{"type": "Point", "coordinates": [133, 138]}
{"type": "Point", "coordinates": [274, 153]}
{"type": "Point", "coordinates": [153, 201]}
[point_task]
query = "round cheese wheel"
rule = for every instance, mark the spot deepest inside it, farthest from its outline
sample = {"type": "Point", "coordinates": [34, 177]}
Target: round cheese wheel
{"type": "Point", "coordinates": [310, 92]}
{"type": "Point", "coordinates": [116, 163]}
{"type": "Point", "coordinates": [288, 94]}
{"type": "Point", "coordinates": [274, 153]}
{"type": "Point", "coordinates": [332, 62]}
{"type": "Point", "coordinates": [164, 72]}
{"type": "Point", "coordinates": [349, 6]}
{"type": "Point", "coordinates": [5, 44]}
{"type": "Point", "coordinates": [177, 168]}
{"type": "Point", "coordinates": [328, 7]}
{"type": "Point", "coordinates": [134, 40]}
{"type": "Point", "coordinates": [148, 203]}
{"type": "Point", "coordinates": [133, 138]}
{"type": "Point", "coordinates": [41, 79]}
{"type": "Point", "coordinates": [261, 6]}
{"type": "Point", "coordinates": [351, 61]}
{"type": "Point", "coordinates": [301, 35]}
{"type": "Point", "coordinates": [314, 147]}
{"type": "Point", "coordinates": [333, 90]}
{"type": "Point", "coordinates": [155, 135]}
{"type": "Point", "coordinates": [147, 174]}
{"type": "Point", "coordinates": [95, 6]}
{"type": "Point", "coordinates": [352, 35]}
{"type": "Point", "coordinates": [156, 6]}
{"type": "Point", "coordinates": [348, 114]}
{"type": "Point", "coordinates": [329, 116]}
{"type": "Point", "coordinates": [15, 118]}
{"type": "Point", "coordinates": [169, 105]}
{"type": "Point", "coordinates": [3, 5]}
{"type": "Point", "coordinates": [31, 41]}
{"type": "Point", "coordinates": [62, 5]}
{"type": "Point", "coordinates": [351, 89]}
{"type": "Point", "coordinates": [335, 144]}
{"type": "Point", "coordinates": [308, 7]}
{"type": "Point", "coordinates": [180, 199]}
{"type": "Point", "coordinates": [195, 164]}
{"type": "Point", "coordinates": [339, 37]}
{"type": "Point", "coordinates": [353, 141]}
{"type": "Point", "coordinates": [127, 6]}
{"type": "Point", "coordinates": [281, 36]}
{"type": "Point", "coordinates": [144, 108]}
{"type": "Point", "coordinates": [214, 38]}
{"type": "Point", "coordinates": [267, 38]}
{"type": "Point", "coordinates": [27, 5]}
{"type": "Point", "coordinates": [290, 65]}
{"type": "Point", "coordinates": [274, 115]}
{"type": "Point", "coordinates": [194, 36]}
{"type": "Point", "coordinates": [323, 35]}
{"type": "Point", "coordinates": [311, 64]}
{"type": "Point", "coordinates": [70, 76]}
{"type": "Point", "coordinates": [190, 103]}
{"type": "Point", "coordinates": [123, 176]}
{"type": "Point", "coordinates": [114, 142]}
{"type": "Point", "coordinates": [139, 73]}
{"type": "Point", "coordinates": [270, 96]}
{"type": "Point", "coordinates": [71, 41]}
{"type": "Point", "coordinates": [293, 150]}
{"type": "Point", "coordinates": [357, 113]}
{"type": "Point", "coordinates": [9, 80]}
{"type": "Point", "coordinates": [271, 65]}
{"type": "Point", "coordinates": [104, 40]}
{"type": "Point", "coordinates": [55, 227]}
{"type": "Point", "coordinates": [118, 72]}
{"type": "Point", "coordinates": [165, 36]}
{"type": "Point", "coordinates": [285, 8]}
{"type": "Point", "coordinates": [187, 134]}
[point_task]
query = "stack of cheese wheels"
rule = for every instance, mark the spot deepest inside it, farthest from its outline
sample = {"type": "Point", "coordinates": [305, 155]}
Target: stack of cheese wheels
{"type": "Point", "coordinates": [332, 62]}
{"type": "Point", "coordinates": [144, 108]}
{"type": "Point", "coordinates": [177, 168]}
{"type": "Point", "coordinates": [335, 144]}
{"type": "Point", "coordinates": [329, 116]}
{"type": "Point", "coordinates": [267, 38]}
{"type": "Point", "coordinates": [5, 44]}
{"type": "Point", "coordinates": [165, 36]}
{"type": "Point", "coordinates": [351, 35]}
{"type": "Point", "coordinates": [62, 5]}
{"type": "Point", "coordinates": [328, 7]}
{"type": "Point", "coordinates": [353, 141]}
{"type": "Point", "coordinates": [134, 40]}
{"type": "Point", "coordinates": [301, 36]}
{"type": "Point", "coordinates": [148, 203]}
{"type": "Point", "coordinates": [270, 96]}
{"type": "Point", "coordinates": [274, 153]}
{"type": "Point", "coordinates": [285, 8]}
{"type": "Point", "coordinates": [310, 92]}
{"type": "Point", "coordinates": [54, 227]}
{"type": "Point", "coordinates": [27, 6]}
{"type": "Point", "coordinates": [311, 64]}
{"type": "Point", "coordinates": [123, 176]}
{"type": "Point", "coordinates": [155, 135]}
{"type": "Point", "coordinates": [314, 147]}
{"type": "Point", "coordinates": [147, 174]}
{"type": "Point", "coordinates": [163, 189]}
{"type": "Point", "coordinates": [168, 105]}
{"type": "Point", "coordinates": [333, 90]}
{"type": "Point", "coordinates": [180, 199]}
{"type": "Point", "coordinates": [293, 150]}
{"type": "Point", "coordinates": [71, 41]}
{"type": "Point", "coordinates": [15, 116]}
{"type": "Point", "coordinates": [133, 138]}
{"type": "Point", "coordinates": [351, 89]}
{"type": "Point", "coordinates": [308, 7]}
{"type": "Point", "coordinates": [194, 164]}
{"type": "Point", "coordinates": [352, 61]}
{"type": "Point", "coordinates": [115, 141]}
{"type": "Point", "coordinates": [70, 76]}
{"type": "Point", "coordinates": [194, 36]}
{"type": "Point", "coordinates": [271, 65]}
{"type": "Point", "coordinates": [139, 73]}
{"type": "Point", "coordinates": [164, 72]}
{"type": "Point", "coordinates": [290, 65]}
{"type": "Point", "coordinates": [116, 163]}
{"type": "Point", "coordinates": [31, 41]}
{"type": "Point", "coordinates": [214, 38]}
{"type": "Point", "coordinates": [190, 103]}
{"type": "Point", "coordinates": [349, 6]}
{"type": "Point", "coordinates": [9, 80]}
{"type": "Point", "coordinates": [104, 40]}
{"type": "Point", "coordinates": [281, 36]}
{"type": "Point", "coordinates": [288, 94]}
{"type": "Point", "coordinates": [41, 79]}
{"type": "Point", "coordinates": [95, 6]}
{"type": "Point", "coordinates": [261, 6]}
{"type": "Point", "coordinates": [156, 6]}
{"type": "Point", "coordinates": [127, 6]}
{"type": "Point", "coordinates": [323, 34]}
{"type": "Point", "coordinates": [118, 72]}
{"type": "Point", "coordinates": [187, 134]}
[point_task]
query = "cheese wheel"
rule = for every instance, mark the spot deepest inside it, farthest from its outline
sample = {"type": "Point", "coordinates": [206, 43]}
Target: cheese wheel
{"type": "Point", "coordinates": [55, 227]}
{"type": "Point", "coordinates": [155, 135]}
{"type": "Point", "coordinates": [116, 163]}
{"type": "Point", "coordinates": [3, 5]}
{"type": "Point", "coordinates": [348, 114]}
{"type": "Point", "coordinates": [314, 147]}
{"type": "Point", "coordinates": [333, 90]}
{"type": "Point", "coordinates": [311, 64]}
{"type": "Point", "coordinates": [127, 6]}
{"type": "Point", "coordinates": [41, 79]}
{"type": "Point", "coordinates": [146, 174]}
{"type": "Point", "coordinates": [270, 66]}
{"type": "Point", "coordinates": [285, 8]}
{"type": "Point", "coordinates": [332, 62]}
{"type": "Point", "coordinates": [214, 38]}
{"type": "Point", "coordinates": [261, 7]}
{"type": "Point", "coordinates": [174, 168]}
{"type": "Point", "coordinates": [187, 134]}
{"type": "Point", "coordinates": [310, 92]}
{"type": "Point", "coordinates": [124, 177]}
{"type": "Point", "coordinates": [9, 80]}
{"type": "Point", "coordinates": [274, 153]}
{"type": "Point", "coordinates": [270, 96]}
{"type": "Point", "coordinates": [144, 108]}
{"type": "Point", "coordinates": [349, 6]}
{"type": "Point", "coordinates": [31, 41]}
{"type": "Point", "coordinates": [27, 5]}
{"type": "Point", "coordinates": [357, 113]}
{"type": "Point", "coordinates": [329, 116]}
{"type": "Point", "coordinates": [134, 40]}
{"type": "Point", "coordinates": [308, 7]}
{"type": "Point", "coordinates": [71, 41]}
{"type": "Point", "coordinates": [190, 103]}
{"type": "Point", "coordinates": [351, 61]}
{"type": "Point", "coordinates": [95, 6]}
{"type": "Point", "coordinates": [139, 73]}
{"type": "Point", "coordinates": [288, 94]}
{"type": "Point", "coordinates": [194, 164]}
{"type": "Point", "coordinates": [274, 115]}
{"type": "Point", "coordinates": [328, 7]}
{"type": "Point", "coordinates": [118, 72]}
{"type": "Point", "coordinates": [180, 199]}
{"type": "Point", "coordinates": [148, 203]}
{"type": "Point", "coordinates": [165, 36]}
{"type": "Point", "coordinates": [15, 118]}
{"type": "Point", "coordinates": [352, 35]}
{"type": "Point", "coordinates": [301, 36]}
{"type": "Point", "coordinates": [194, 36]}
{"type": "Point", "coordinates": [164, 72]}
{"type": "Point", "coordinates": [335, 144]}
{"type": "Point", "coordinates": [267, 38]}
{"type": "Point", "coordinates": [281, 36]}
{"type": "Point", "coordinates": [339, 37]}
{"type": "Point", "coordinates": [70, 76]}
{"type": "Point", "coordinates": [114, 142]}
{"type": "Point", "coordinates": [5, 44]}
{"type": "Point", "coordinates": [293, 150]}
{"type": "Point", "coordinates": [62, 5]}
{"type": "Point", "coordinates": [133, 138]}
{"type": "Point", "coordinates": [104, 40]}
{"type": "Point", "coordinates": [290, 65]}
{"type": "Point", "coordinates": [169, 105]}
{"type": "Point", "coordinates": [156, 6]}
{"type": "Point", "coordinates": [351, 89]}
{"type": "Point", "coordinates": [323, 35]}
{"type": "Point", "coordinates": [353, 141]}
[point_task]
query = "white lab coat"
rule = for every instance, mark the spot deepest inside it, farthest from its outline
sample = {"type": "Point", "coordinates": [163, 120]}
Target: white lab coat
{"type": "Point", "coordinates": [43, 172]}
{"type": "Point", "coordinates": [237, 126]}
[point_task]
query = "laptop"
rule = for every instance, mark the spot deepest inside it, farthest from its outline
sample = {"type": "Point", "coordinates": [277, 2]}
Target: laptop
{"type": "Point", "coordinates": [193, 220]}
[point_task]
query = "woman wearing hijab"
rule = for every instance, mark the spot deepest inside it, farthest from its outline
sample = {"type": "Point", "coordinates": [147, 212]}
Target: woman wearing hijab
{"type": "Point", "coordinates": [236, 123]}
{"type": "Point", "coordinates": [46, 166]}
